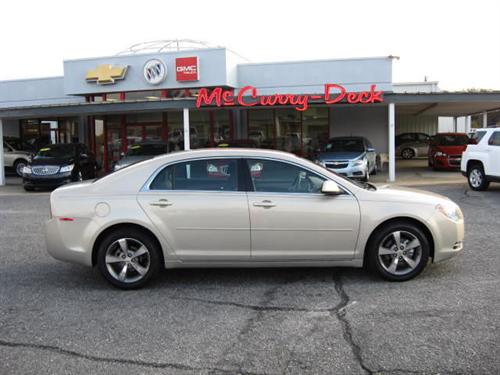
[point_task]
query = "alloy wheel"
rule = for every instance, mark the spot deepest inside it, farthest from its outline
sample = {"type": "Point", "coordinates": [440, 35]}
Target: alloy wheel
{"type": "Point", "coordinates": [407, 153]}
{"type": "Point", "coordinates": [127, 260]}
{"type": "Point", "coordinates": [19, 168]}
{"type": "Point", "coordinates": [399, 253]}
{"type": "Point", "coordinates": [475, 178]}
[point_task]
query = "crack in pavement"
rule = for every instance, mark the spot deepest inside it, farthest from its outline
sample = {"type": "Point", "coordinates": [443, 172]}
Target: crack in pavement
{"type": "Point", "coordinates": [346, 326]}
{"type": "Point", "coordinates": [158, 365]}
{"type": "Point", "coordinates": [261, 307]}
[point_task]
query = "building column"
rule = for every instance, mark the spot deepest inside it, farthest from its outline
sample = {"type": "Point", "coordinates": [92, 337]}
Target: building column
{"type": "Point", "coordinates": [485, 119]}
{"type": "Point", "coordinates": [2, 161]}
{"type": "Point", "coordinates": [468, 122]}
{"type": "Point", "coordinates": [187, 136]}
{"type": "Point", "coordinates": [455, 126]}
{"type": "Point", "coordinates": [392, 142]}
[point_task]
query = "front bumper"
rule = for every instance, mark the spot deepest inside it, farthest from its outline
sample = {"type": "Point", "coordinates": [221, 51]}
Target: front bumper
{"type": "Point", "coordinates": [447, 162]}
{"type": "Point", "coordinates": [47, 181]}
{"type": "Point", "coordinates": [448, 236]}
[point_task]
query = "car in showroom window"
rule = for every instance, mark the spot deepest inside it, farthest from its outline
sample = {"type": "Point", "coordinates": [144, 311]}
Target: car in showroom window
{"type": "Point", "coordinates": [139, 152]}
{"type": "Point", "coordinates": [245, 208]}
{"type": "Point", "coordinates": [59, 164]}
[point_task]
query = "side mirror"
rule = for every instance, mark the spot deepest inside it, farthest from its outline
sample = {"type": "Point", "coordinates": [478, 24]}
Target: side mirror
{"type": "Point", "coordinates": [330, 188]}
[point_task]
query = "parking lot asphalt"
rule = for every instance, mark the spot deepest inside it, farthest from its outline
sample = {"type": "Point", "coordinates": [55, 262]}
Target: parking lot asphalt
{"type": "Point", "coordinates": [59, 318]}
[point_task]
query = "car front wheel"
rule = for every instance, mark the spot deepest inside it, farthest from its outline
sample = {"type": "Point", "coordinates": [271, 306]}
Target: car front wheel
{"type": "Point", "coordinates": [407, 153]}
{"type": "Point", "coordinates": [476, 178]}
{"type": "Point", "coordinates": [19, 166]}
{"type": "Point", "coordinates": [398, 252]}
{"type": "Point", "coordinates": [128, 259]}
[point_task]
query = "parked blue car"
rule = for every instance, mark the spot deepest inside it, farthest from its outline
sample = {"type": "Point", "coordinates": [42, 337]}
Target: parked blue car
{"type": "Point", "coordinates": [352, 157]}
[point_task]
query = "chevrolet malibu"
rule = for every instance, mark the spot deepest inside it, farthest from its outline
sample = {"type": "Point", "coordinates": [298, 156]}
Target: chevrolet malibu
{"type": "Point", "coordinates": [246, 208]}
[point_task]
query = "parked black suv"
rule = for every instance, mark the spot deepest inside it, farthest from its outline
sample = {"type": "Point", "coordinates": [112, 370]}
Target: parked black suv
{"type": "Point", "coordinates": [55, 165]}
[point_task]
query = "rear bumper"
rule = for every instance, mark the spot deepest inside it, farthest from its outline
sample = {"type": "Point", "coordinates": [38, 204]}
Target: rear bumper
{"type": "Point", "coordinates": [65, 240]}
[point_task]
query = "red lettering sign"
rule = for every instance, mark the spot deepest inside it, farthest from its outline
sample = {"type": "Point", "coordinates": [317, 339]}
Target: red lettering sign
{"type": "Point", "coordinates": [187, 69]}
{"type": "Point", "coordinates": [248, 97]}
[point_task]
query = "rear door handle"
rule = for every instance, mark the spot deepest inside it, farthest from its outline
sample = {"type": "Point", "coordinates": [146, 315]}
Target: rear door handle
{"type": "Point", "coordinates": [161, 203]}
{"type": "Point", "coordinates": [265, 204]}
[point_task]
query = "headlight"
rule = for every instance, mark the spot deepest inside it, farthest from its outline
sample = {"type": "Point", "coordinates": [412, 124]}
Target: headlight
{"type": "Point", "coordinates": [67, 168]}
{"type": "Point", "coordinates": [439, 153]}
{"type": "Point", "coordinates": [27, 170]}
{"type": "Point", "coordinates": [359, 162]}
{"type": "Point", "coordinates": [452, 212]}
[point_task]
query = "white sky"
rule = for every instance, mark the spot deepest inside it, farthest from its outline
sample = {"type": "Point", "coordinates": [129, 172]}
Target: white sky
{"type": "Point", "coordinates": [454, 42]}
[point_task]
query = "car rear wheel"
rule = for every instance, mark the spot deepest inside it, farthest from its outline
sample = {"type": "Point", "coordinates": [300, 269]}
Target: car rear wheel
{"type": "Point", "coordinates": [128, 259]}
{"type": "Point", "coordinates": [407, 153]}
{"type": "Point", "coordinates": [477, 178]}
{"type": "Point", "coordinates": [398, 252]}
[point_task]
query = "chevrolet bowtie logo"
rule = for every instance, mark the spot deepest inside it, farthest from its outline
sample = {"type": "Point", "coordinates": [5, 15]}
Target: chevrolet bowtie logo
{"type": "Point", "coordinates": [106, 74]}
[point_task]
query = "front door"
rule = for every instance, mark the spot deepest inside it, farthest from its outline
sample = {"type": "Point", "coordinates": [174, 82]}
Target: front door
{"type": "Point", "coordinates": [292, 220]}
{"type": "Point", "coordinates": [200, 210]}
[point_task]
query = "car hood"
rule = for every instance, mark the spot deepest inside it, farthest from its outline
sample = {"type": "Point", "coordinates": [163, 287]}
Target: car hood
{"type": "Point", "coordinates": [450, 150]}
{"type": "Point", "coordinates": [127, 160]}
{"type": "Point", "coordinates": [391, 193]}
{"type": "Point", "coordinates": [340, 155]}
{"type": "Point", "coordinates": [52, 161]}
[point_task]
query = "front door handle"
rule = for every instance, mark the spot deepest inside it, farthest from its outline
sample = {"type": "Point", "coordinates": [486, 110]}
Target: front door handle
{"type": "Point", "coordinates": [161, 203]}
{"type": "Point", "coordinates": [266, 204]}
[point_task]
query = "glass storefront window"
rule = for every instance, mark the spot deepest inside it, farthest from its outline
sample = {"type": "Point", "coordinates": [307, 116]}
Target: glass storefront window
{"type": "Point", "coordinates": [200, 128]}
{"type": "Point", "coordinates": [222, 126]}
{"type": "Point", "coordinates": [143, 95]}
{"type": "Point", "coordinates": [114, 139]}
{"type": "Point", "coordinates": [113, 97]}
{"type": "Point", "coordinates": [175, 122]}
{"type": "Point", "coordinates": [288, 130]}
{"type": "Point", "coordinates": [261, 127]}
{"type": "Point", "coordinates": [316, 130]}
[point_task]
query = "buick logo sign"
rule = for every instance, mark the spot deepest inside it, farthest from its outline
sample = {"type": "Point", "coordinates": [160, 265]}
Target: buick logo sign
{"type": "Point", "coordinates": [155, 71]}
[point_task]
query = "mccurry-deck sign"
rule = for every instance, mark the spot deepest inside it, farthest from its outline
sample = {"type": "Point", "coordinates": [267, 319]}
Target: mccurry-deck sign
{"type": "Point", "coordinates": [248, 97]}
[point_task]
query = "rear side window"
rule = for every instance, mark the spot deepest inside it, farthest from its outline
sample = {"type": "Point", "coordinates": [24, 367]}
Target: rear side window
{"type": "Point", "coordinates": [206, 175]}
{"type": "Point", "coordinates": [494, 139]}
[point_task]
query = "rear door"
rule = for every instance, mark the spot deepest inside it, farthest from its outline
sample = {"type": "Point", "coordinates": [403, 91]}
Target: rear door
{"type": "Point", "coordinates": [200, 209]}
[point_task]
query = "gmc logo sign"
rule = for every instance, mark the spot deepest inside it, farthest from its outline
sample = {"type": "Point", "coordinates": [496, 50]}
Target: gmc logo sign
{"type": "Point", "coordinates": [187, 69]}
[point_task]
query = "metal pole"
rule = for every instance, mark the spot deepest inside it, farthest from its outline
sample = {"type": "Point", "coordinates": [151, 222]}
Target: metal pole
{"type": "Point", "coordinates": [392, 142]}
{"type": "Point", "coordinates": [187, 139]}
{"type": "Point", "coordinates": [2, 161]}
{"type": "Point", "coordinates": [485, 119]}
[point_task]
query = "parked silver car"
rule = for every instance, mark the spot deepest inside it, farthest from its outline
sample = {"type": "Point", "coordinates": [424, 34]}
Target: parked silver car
{"type": "Point", "coordinates": [246, 208]}
{"type": "Point", "coordinates": [412, 145]}
{"type": "Point", "coordinates": [139, 152]}
{"type": "Point", "coordinates": [352, 157]}
{"type": "Point", "coordinates": [14, 157]}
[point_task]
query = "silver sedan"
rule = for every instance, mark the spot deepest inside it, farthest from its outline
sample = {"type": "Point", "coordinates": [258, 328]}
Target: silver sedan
{"type": "Point", "coordinates": [246, 208]}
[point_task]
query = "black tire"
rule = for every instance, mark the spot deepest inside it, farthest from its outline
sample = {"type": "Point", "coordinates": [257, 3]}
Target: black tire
{"type": "Point", "coordinates": [477, 178]}
{"type": "Point", "coordinates": [379, 238]}
{"type": "Point", "coordinates": [375, 170]}
{"type": "Point", "coordinates": [29, 188]}
{"type": "Point", "coordinates": [407, 153]}
{"type": "Point", "coordinates": [366, 177]}
{"type": "Point", "coordinates": [17, 164]}
{"type": "Point", "coordinates": [109, 243]}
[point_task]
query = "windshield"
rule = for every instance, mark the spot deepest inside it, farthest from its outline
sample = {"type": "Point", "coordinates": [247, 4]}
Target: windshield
{"type": "Point", "coordinates": [56, 151]}
{"type": "Point", "coordinates": [147, 149]}
{"type": "Point", "coordinates": [345, 145]}
{"type": "Point", "coordinates": [452, 140]}
{"type": "Point", "coordinates": [478, 136]}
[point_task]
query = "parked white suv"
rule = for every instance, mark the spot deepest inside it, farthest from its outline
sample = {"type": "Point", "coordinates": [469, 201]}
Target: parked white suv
{"type": "Point", "coordinates": [481, 161]}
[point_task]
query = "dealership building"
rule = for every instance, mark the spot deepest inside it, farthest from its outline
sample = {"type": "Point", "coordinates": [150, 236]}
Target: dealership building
{"type": "Point", "coordinates": [204, 97]}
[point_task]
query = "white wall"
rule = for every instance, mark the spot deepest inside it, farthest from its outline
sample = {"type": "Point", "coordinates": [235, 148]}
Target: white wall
{"type": "Point", "coordinates": [369, 122]}
{"type": "Point", "coordinates": [446, 125]}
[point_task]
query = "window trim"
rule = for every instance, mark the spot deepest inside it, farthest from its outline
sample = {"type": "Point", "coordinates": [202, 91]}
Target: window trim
{"type": "Point", "coordinates": [146, 186]}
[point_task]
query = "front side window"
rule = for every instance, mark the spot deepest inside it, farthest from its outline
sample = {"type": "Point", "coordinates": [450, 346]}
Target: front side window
{"type": "Point", "coordinates": [278, 177]}
{"type": "Point", "coordinates": [207, 175]}
{"type": "Point", "coordinates": [494, 139]}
